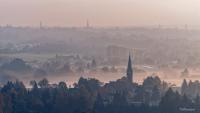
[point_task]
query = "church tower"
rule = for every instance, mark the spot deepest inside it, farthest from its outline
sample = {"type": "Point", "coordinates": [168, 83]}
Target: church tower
{"type": "Point", "coordinates": [129, 71]}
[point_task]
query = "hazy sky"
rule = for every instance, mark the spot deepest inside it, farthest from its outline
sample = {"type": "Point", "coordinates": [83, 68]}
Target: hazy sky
{"type": "Point", "coordinates": [100, 12]}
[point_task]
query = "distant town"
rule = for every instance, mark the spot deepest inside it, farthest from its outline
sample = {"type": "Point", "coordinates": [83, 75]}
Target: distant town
{"type": "Point", "coordinates": [84, 70]}
{"type": "Point", "coordinates": [90, 95]}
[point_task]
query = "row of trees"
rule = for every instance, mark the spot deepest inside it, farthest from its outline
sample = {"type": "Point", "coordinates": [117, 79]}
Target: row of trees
{"type": "Point", "coordinates": [191, 88]}
{"type": "Point", "coordinates": [84, 97]}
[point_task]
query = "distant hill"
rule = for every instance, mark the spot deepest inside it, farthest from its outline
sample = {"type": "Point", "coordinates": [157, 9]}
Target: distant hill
{"type": "Point", "coordinates": [17, 65]}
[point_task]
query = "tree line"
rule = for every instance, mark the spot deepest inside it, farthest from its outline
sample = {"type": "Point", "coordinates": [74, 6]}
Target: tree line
{"type": "Point", "coordinates": [84, 97]}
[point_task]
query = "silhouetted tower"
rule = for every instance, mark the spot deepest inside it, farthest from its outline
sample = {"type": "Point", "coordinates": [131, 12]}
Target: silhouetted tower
{"type": "Point", "coordinates": [129, 72]}
{"type": "Point", "coordinates": [41, 26]}
{"type": "Point", "coordinates": [87, 24]}
{"type": "Point", "coordinates": [159, 26]}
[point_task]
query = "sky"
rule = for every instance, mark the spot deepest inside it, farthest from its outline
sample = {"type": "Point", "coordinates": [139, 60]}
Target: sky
{"type": "Point", "coordinates": [100, 12]}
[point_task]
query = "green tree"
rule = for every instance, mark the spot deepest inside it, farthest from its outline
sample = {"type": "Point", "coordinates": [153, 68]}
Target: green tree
{"type": "Point", "coordinates": [170, 102]}
{"type": "Point", "coordinates": [62, 85]}
{"type": "Point", "coordinates": [184, 87]}
{"type": "Point", "coordinates": [44, 83]}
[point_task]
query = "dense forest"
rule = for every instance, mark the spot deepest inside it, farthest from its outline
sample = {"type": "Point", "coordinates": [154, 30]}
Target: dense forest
{"type": "Point", "coordinates": [84, 97]}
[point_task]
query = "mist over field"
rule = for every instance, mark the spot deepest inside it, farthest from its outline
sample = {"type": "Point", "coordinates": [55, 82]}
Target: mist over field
{"type": "Point", "coordinates": [68, 53]}
{"type": "Point", "coordinates": [99, 56]}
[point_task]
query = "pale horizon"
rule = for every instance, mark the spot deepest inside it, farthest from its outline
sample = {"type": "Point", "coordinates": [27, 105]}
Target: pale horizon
{"type": "Point", "coordinates": [71, 13]}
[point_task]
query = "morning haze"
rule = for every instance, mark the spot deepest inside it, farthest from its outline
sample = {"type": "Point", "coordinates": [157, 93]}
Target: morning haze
{"type": "Point", "coordinates": [100, 12]}
{"type": "Point", "coordinates": [99, 56]}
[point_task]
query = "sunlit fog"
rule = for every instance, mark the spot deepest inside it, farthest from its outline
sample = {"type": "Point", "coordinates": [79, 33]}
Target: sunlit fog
{"type": "Point", "coordinates": [99, 56]}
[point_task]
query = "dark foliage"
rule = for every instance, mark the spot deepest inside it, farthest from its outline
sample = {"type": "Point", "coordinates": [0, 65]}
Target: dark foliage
{"type": "Point", "coordinates": [85, 97]}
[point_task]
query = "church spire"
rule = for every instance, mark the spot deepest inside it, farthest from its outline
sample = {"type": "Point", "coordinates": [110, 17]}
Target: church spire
{"type": "Point", "coordinates": [129, 72]}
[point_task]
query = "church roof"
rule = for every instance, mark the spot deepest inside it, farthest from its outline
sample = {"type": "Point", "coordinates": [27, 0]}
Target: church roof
{"type": "Point", "coordinates": [129, 68]}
